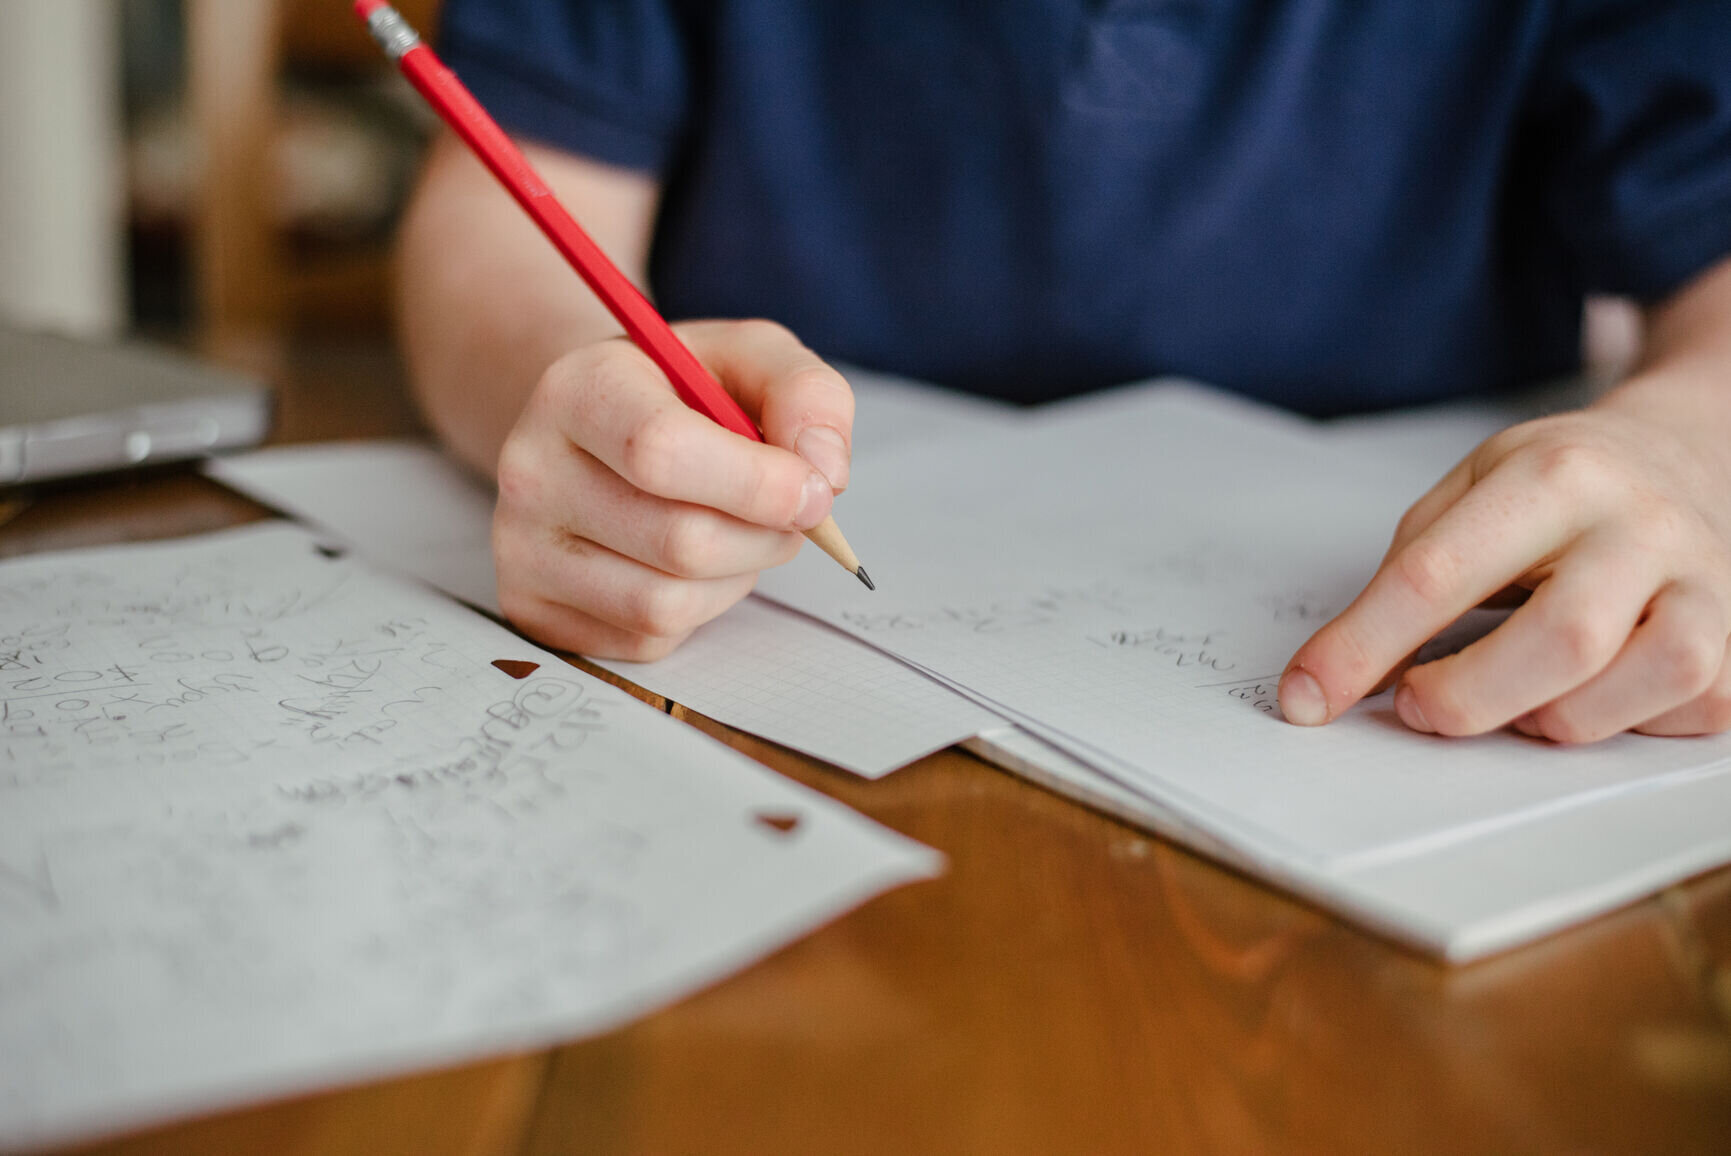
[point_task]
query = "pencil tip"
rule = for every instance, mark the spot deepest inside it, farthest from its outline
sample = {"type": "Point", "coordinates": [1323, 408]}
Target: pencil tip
{"type": "Point", "coordinates": [866, 578]}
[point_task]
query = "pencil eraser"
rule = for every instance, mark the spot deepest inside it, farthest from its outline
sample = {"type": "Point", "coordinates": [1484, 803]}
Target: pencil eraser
{"type": "Point", "coordinates": [365, 8]}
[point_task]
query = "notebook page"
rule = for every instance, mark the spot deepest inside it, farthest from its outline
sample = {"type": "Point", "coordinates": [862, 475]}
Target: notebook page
{"type": "Point", "coordinates": [1130, 588]}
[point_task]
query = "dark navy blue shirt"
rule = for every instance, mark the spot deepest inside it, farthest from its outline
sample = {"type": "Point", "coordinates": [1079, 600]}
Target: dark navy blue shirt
{"type": "Point", "coordinates": [1330, 204]}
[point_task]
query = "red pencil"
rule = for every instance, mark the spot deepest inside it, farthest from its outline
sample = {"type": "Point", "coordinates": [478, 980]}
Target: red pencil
{"type": "Point", "coordinates": [694, 384]}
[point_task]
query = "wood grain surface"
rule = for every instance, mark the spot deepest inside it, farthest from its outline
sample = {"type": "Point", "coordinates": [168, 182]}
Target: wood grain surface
{"type": "Point", "coordinates": [1071, 985]}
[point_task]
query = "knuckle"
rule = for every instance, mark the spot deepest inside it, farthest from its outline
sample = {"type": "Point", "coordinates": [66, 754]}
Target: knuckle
{"type": "Point", "coordinates": [610, 368]}
{"type": "Point", "coordinates": [1561, 725]}
{"type": "Point", "coordinates": [589, 380]}
{"type": "Point", "coordinates": [1447, 716]}
{"type": "Point", "coordinates": [1346, 653]}
{"type": "Point", "coordinates": [815, 379]}
{"type": "Point", "coordinates": [660, 608]}
{"type": "Point", "coordinates": [516, 475]}
{"type": "Point", "coordinates": [1689, 662]}
{"type": "Point", "coordinates": [1430, 570]}
{"type": "Point", "coordinates": [688, 544]}
{"type": "Point", "coordinates": [1584, 642]}
{"type": "Point", "coordinates": [598, 379]}
{"type": "Point", "coordinates": [557, 382]}
{"type": "Point", "coordinates": [1442, 706]}
{"type": "Point", "coordinates": [774, 496]}
{"type": "Point", "coordinates": [1573, 467]}
{"type": "Point", "coordinates": [1506, 441]}
{"type": "Point", "coordinates": [649, 457]}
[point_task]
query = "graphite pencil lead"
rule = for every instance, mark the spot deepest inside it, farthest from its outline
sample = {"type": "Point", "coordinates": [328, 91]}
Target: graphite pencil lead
{"type": "Point", "coordinates": [866, 578]}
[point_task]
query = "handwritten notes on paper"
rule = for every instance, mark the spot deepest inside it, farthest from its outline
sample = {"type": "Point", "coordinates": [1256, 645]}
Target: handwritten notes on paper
{"type": "Point", "coordinates": [1133, 599]}
{"type": "Point", "coordinates": [759, 667]}
{"type": "Point", "coordinates": [270, 819]}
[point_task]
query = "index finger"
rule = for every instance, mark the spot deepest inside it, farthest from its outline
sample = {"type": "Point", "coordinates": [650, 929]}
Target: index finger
{"type": "Point", "coordinates": [797, 399]}
{"type": "Point", "coordinates": [1494, 533]}
{"type": "Point", "coordinates": [615, 404]}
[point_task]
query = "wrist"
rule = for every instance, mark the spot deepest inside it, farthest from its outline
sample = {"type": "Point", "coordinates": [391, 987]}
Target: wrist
{"type": "Point", "coordinates": [1685, 403]}
{"type": "Point", "coordinates": [1684, 393]}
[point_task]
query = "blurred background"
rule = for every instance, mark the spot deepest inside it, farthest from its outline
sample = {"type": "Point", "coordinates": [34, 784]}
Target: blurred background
{"type": "Point", "coordinates": [219, 175]}
{"type": "Point", "coordinates": [225, 176]}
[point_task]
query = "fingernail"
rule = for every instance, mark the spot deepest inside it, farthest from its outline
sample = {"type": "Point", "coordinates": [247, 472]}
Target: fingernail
{"type": "Point", "coordinates": [1406, 706]}
{"type": "Point", "coordinates": [814, 501]}
{"type": "Point", "coordinates": [1301, 699]}
{"type": "Point", "coordinates": [827, 453]}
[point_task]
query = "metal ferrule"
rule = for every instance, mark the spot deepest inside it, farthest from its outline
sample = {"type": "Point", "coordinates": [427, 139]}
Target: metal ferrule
{"type": "Point", "coordinates": [391, 31]}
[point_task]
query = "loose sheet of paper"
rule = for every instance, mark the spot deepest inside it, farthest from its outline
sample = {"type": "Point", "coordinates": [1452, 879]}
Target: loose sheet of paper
{"type": "Point", "coordinates": [759, 667]}
{"type": "Point", "coordinates": [774, 673]}
{"type": "Point", "coordinates": [271, 820]}
{"type": "Point", "coordinates": [401, 503]}
{"type": "Point", "coordinates": [1129, 582]}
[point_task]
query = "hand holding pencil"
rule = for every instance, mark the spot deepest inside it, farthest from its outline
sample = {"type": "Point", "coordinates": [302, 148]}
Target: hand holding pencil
{"type": "Point", "coordinates": [665, 515]}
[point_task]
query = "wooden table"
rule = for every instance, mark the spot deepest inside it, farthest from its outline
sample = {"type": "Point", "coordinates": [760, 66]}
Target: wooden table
{"type": "Point", "coordinates": [1070, 986]}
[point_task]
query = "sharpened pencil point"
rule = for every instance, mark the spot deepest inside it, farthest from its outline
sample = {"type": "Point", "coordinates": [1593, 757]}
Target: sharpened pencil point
{"type": "Point", "coordinates": [866, 578]}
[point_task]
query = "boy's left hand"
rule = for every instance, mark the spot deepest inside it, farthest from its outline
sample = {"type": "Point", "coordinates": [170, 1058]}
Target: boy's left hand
{"type": "Point", "coordinates": [1617, 518]}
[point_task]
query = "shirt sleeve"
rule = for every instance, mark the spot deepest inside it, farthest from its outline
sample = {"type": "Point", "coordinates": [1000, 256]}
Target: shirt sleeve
{"type": "Point", "coordinates": [603, 78]}
{"type": "Point", "coordinates": [1635, 113]}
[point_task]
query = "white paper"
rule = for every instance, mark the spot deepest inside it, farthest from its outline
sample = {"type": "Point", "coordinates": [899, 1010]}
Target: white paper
{"type": "Point", "coordinates": [401, 503]}
{"type": "Point", "coordinates": [1130, 588]}
{"type": "Point", "coordinates": [893, 412]}
{"type": "Point", "coordinates": [270, 821]}
{"type": "Point", "coordinates": [759, 667]}
{"type": "Point", "coordinates": [771, 672]}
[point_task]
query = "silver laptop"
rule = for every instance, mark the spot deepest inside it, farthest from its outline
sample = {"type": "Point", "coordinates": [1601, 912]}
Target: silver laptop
{"type": "Point", "coordinates": [71, 407]}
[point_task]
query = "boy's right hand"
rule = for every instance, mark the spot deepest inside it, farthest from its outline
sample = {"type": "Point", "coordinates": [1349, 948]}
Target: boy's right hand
{"type": "Point", "coordinates": [626, 520]}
